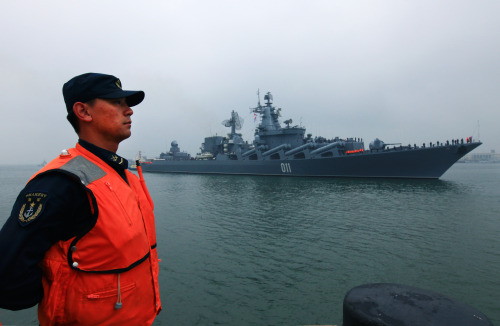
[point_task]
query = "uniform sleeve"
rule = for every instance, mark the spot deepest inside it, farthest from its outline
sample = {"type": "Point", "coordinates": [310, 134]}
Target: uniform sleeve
{"type": "Point", "coordinates": [50, 208]}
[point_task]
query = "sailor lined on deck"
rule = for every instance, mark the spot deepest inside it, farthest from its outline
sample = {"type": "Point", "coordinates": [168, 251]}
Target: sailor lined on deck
{"type": "Point", "coordinates": [80, 241]}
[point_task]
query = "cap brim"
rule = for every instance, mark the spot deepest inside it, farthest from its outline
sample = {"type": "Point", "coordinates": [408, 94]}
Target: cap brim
{"type": "Point", "coordinates": [132, 97]}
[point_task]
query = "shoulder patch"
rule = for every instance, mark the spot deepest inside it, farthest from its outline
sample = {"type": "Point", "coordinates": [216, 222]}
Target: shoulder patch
{"type": "Point", "coordinates": [32, 207]}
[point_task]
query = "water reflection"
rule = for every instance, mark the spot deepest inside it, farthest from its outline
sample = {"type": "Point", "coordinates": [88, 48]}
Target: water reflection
{"type": "Point", "coordinates": [302, 185]}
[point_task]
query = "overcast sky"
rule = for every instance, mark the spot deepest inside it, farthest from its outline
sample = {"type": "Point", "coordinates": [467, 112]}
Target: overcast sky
{"type": "Point", "coordinates": [402, 71]}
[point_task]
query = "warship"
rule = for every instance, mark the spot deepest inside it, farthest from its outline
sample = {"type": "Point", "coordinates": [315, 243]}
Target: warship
{"type": "Point", "coordinates": [287, 151]}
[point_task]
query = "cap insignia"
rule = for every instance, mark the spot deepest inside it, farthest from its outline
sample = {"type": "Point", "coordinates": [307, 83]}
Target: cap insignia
{"type": "Point", "coordinates": [34, 203]}
{"type": "Point", "coordinates": [118, 83]}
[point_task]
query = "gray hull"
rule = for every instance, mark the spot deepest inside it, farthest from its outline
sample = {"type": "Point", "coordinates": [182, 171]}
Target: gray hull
{"type": "Point", "coordinates": [424, 163]}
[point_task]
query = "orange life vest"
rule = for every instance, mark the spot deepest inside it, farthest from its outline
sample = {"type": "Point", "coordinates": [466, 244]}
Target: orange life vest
{"type": "Point", "coordinates": [109, 275]}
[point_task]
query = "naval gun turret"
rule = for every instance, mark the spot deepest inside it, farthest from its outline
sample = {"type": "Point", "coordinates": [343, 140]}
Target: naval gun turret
{"type": "Point", "coordinates": [175, 153]}
{"type": "Point", "coordinates": [377, 145]}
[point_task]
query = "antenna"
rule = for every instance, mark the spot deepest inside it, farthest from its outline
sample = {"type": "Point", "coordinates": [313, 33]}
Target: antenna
{"type": "Point", "coordinates": [258, 97]}
{"type": "Point", "coordinates": [478, 130]}
{"type": "Point", "coordinates": [477, 127]}
{"type": "Point", "coordinates": [235, 122]}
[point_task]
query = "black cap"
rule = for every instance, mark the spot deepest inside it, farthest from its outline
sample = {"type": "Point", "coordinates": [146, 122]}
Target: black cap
{"type": "Point", "coordinates": [89, 86]}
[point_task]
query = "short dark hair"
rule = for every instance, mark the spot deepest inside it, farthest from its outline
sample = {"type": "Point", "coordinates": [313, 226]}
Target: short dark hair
{"type": "Point", "coordinates": [72, 118]}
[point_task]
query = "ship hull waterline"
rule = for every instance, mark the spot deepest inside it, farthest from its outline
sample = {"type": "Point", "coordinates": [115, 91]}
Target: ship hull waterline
{"type": "Point", "coordinates": [420, 163]}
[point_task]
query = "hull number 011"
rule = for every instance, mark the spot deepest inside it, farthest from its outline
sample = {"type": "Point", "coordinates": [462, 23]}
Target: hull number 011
{"type": "Point", "coordinates": [286, 168]}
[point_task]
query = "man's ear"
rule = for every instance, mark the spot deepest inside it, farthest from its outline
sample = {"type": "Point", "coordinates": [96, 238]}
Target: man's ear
{"type": "Point", "coordinates": [81, 111]}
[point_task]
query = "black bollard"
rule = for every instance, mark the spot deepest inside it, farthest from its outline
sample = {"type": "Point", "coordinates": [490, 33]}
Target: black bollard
{"type": "Point", "coordinates": [388, 304]}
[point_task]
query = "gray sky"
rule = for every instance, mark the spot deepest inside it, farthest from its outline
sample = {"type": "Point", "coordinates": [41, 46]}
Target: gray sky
{"type": "Point", "coordinates": [402, 71]}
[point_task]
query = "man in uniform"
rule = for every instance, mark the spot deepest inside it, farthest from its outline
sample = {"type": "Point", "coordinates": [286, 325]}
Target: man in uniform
{"type": "Point", "coordinates": [80, 241]}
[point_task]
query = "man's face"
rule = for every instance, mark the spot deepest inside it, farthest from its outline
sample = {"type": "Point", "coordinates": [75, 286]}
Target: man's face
{"type": "Point", "coordinates": [111, 119]}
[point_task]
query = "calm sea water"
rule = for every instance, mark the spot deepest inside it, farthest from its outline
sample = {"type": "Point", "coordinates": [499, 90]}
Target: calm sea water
{"type": "Point", "coordinates": [284, 251]}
